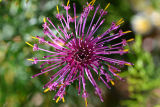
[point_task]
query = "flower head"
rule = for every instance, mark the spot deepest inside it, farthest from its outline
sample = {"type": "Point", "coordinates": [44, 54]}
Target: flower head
{"type": "Point", "coordinates": [80, 52]}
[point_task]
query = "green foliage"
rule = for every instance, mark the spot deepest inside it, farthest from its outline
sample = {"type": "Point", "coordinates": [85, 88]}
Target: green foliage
{"type": "Point", "coordinates": [142, 78]}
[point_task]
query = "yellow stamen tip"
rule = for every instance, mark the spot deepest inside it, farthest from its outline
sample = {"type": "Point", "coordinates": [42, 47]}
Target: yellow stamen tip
{"type": "Point", "coordinates": [63, 99]}
{"type": "Point", "coordinates": [127, 31]}
{"type": "Point", "coordinates": [127, 64]}
{"type": "Point", "coordinates": [112, 82]}
{"type": "Point", "coordinates": [86, 103]}
{"type": "Point", "coordinates": [132, 39]}
{"type": "Point", "coordinates": [34, 37]}
{"type": "Point", "coordinates": [107, 6]}
{"type": "Point", "coordinates": [46, 90]}
{"type": "Point", "coordinates": [30, 59]}
{"type": "Point", "coordinates": [92, 2]}
{"type": "Point", "coordinates": [120, 22]}
{"type": "Point", "coordinates": [68, 2]}
{"type": "Point", "coordinates": [29, 44]}
{"type": "Point", "coordinates": [126, 50]}
{"type": "Point", "coordinates": [57, 99]}
{"type": "Point", "coordinates": [57, 9]}
{"type": "Point", "coordinates": [44, 19]}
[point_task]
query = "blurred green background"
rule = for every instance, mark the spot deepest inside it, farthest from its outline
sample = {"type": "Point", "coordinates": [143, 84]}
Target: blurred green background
{"type": "Point", "coordinates": [20, 19]}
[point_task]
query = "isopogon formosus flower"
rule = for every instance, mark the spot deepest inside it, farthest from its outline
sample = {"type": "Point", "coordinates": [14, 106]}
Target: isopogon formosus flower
{"type": "Point", "coordinates": [78, 52]}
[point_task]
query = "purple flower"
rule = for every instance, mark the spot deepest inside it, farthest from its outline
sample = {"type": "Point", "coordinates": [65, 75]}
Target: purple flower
{"type": "Point", "coordinates": [80, 52]}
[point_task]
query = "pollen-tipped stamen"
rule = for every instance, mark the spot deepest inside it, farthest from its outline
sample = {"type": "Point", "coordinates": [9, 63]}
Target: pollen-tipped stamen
{"type": "Point", "coordinates": [107, 6]}
{"type": "Point", "coordinates": [44, 20]}
{"type": "Point", "coordinates": [35, 37]}
{"type": "Point", "coordinates": [126, 50]}
{"type": "Point", "coordinates": [127, 31]}
{"type": "Point", "coordinates": [127, 64]}
{"type": "Point", "coordinates": [112, 82]}
{"type": "Point", "coordinates": [130, 40]}
{"type": "Point", "coordinates": [46, 90]}
{"type": "Point", "coordinates": [30, 59]}
{"type": "Point", "coordinates": [120, 22]}
{"type": "Point", "coordinates": [58, 99]}
{"type": "Point", "coordinates": [68, 2]}
{"type": "Point", "coordinates": [57, 9]}
{"type": "Point", "coordinates": [63, 99]}
{"type": "Point", "coordinates": [86, 102]}
{"type": "Point", "coordinates": [29, 44]}
{"type": "Point", "coordinates": [92, 2]}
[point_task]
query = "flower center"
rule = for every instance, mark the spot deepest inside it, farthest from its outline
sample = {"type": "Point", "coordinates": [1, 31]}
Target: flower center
{"type": "Point", "coordinates": [84, 54]}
